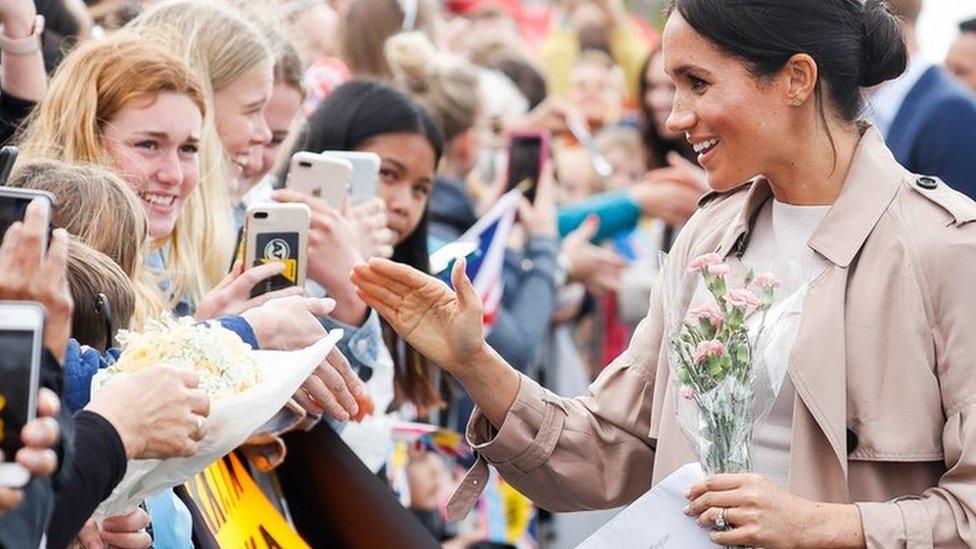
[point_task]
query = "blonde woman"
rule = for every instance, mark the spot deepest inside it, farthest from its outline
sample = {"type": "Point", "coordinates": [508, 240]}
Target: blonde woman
{"type": "Point", "coordinates": [235, 62]}
{"type": "Point", "coordinates": [127, 104]}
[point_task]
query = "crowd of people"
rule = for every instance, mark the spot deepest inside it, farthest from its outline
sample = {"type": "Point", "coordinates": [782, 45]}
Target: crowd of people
{"type": "Point", "coordinates": [155, 124]}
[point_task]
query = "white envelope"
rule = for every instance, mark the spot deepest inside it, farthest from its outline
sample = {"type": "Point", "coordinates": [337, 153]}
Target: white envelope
{"type": "Point", "coordinates": [656, 520]}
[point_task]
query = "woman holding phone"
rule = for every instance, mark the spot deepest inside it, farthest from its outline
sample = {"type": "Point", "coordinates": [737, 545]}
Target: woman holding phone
{"type": "Point", "coordinates": [374, 117]}
{"type": "Point", "coordinates": [137, 109]}
{"type": "Point", "coordinates": [143, 113]}
{"type": "Point", "coordinates": [771, 90]}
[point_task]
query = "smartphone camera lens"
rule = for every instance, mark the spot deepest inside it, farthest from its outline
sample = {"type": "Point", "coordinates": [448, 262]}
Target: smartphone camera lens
{"type": "Point", "coordinates": [260, 215]}
{"type": "Point", "coordinates": [305, 164]}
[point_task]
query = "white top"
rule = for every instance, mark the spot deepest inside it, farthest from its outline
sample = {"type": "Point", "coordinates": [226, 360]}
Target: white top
{"type": "Point", "coordinates": [778, 244]}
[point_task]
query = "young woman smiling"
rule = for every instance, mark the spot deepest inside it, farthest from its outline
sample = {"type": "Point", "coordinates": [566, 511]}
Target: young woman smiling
{"type": "Point", "coordinates": [127, 104]}
{"type": "Point", "coordinates": [768, 93]}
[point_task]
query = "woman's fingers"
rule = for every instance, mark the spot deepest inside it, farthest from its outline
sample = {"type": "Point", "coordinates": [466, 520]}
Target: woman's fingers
{"type": "Point", "coordinates": [277, 294]}
{"type": "Point", "coordinates": [323, 397]}
{"type": "Point", "coordinates": [708, 500]}
{"type": "Point", "coordinates": [339, 387]}
{"type": "Point", "coordinates": [733, 517]}
{"type": "Point", "coordinates": [398, 273]}
{"type": "Point", "coordinates": [384, 310]}
{"type": "Point", "coordinates": [34, 230]}
{"type": "Point", "coordinates": [251, 277]}
{"type": "Point", "coordinates": [466, 294]}
{"type": "Point", "coordinates": [40, 462]}
{"type": "Point", "coordinates": [379, 291]}
{"type": "Point", "coordinates": [287, 195]}
{"type": "Point", "coordinates": [307, 402]}
{"type": "Point", "coordinates": [11, 241]}
{"type": "Point", "coordinates": [90, 537]}
{"type": "Point", "coordinates": [199, 402]}
{"type": "Point", "coordinates": [716, 483]}
{"type": "Point", "coordinates": [235, 271]}
{"type": "Point", "coordinates": [365, 272]}
{"type": "Point", "coordinates": [131, 540]}
{"type": "Point", "coordinates": [319, 306]}
{"type": "Point", "coordinates": [132, 522]}
{"type": "Point", "coordinates": [341, 365]}
{"type": "Point", "coordinates": [40, 433]}
{"type": "Point", "coordinates": [48, 403]}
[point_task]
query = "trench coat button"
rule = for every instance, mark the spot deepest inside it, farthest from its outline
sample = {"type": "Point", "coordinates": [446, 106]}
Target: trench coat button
{"type": "Point", "coordinates": [851, 441]}
{"type": "Point", "coordinates": [928, 183]}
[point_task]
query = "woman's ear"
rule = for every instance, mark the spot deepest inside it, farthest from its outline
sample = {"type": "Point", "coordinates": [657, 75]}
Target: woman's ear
{"type": "Point", "coordinates": [802, 73]}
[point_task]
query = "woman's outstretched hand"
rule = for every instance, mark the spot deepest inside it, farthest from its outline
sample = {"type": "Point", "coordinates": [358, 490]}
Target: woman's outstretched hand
{"type": "Point", "coordinates": [445, 326]}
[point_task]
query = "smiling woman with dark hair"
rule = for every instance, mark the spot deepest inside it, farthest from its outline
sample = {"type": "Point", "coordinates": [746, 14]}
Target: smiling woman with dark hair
{"type": "Point", "coordinates": [872, 439]}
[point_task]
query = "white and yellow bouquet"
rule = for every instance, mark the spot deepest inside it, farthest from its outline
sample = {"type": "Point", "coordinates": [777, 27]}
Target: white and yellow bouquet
{"type": "Point", "coordinates": [247, 388]}
{"type": "Point", "coordinates": [217, 355]}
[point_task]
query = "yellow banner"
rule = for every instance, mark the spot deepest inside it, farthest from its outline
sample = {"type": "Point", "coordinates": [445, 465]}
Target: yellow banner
{"type": "Point", "coordinates": [236, 511]}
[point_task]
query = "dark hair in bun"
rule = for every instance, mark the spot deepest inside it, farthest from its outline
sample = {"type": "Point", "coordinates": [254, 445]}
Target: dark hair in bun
{"type": "Point", "coordinates": [883, 53]}
{"type": "Point", "coordinates": [855, 43]}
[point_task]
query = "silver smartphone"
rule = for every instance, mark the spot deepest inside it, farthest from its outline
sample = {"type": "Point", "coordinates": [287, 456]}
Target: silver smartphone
{"type": "Point", "coordinates": [319, 176]}
{"type": "Point", "coordinates": [277, 232]}
{"type": "Point", "coordinates": [21, 344]}
{"type": "Point", "coordinates": [365, 173]}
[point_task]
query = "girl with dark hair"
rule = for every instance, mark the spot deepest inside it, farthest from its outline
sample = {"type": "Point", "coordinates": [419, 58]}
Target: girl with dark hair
{"type": "Point", "coordinates": [373, 117]}
{"type": "Point", "coordinates": [871, 441]}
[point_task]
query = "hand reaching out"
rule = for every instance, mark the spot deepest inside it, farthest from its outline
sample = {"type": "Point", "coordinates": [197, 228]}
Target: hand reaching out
{"type": "Point", "coordinates": [444, 326]}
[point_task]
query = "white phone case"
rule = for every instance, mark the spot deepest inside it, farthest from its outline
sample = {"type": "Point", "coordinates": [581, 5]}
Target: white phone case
{"type": "Point", "coordinates": [321, 177]}
{"type": "Point", "coordinates": [278, 232]}
{"type": "Point", "coordinates": [365, 173]}
{"type": "Point", "coordinates": [27, 317]}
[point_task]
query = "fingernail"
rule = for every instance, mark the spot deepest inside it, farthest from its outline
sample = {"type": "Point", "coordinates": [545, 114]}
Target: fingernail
{"type": "Point", "coordinates": [687, 510]}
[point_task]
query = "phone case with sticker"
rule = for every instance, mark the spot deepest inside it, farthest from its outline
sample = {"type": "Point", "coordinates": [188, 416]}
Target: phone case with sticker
{"type": "Point", "coordinates": [277, 233]}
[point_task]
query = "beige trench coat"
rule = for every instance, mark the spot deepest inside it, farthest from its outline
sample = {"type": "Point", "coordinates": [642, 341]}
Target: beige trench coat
{"type": "Point", "coordinates": [884, 367]}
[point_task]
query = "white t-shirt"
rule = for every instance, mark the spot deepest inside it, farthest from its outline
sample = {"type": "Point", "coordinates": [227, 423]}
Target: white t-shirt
{"type": "Point", "coordinates": [778, 244]}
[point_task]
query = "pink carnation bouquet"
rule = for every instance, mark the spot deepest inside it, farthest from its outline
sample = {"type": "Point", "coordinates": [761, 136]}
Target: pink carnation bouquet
{"type": "Point", "coordinates": [715, 351]}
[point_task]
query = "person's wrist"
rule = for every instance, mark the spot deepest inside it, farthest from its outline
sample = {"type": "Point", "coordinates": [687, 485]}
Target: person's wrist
{"type": "Point", "coordinates": [131, 440]}
{"type": "Point", "coordinates": [834, 526]}
{"type": "Point", "coordinates": [350, 309]}
{"type": "Point", "coordinates": [263, 327]}
{"type": "Point", "coordinates": [463, 366]}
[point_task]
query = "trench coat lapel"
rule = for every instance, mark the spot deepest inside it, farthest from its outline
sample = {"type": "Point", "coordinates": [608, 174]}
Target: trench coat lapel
{"type": "Point", "coordinates": [818, 366]}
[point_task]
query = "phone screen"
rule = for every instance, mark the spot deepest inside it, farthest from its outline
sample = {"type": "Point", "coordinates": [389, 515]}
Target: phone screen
{"type": "Point", "coordinates": [15, 387]}
{"type": "Point", "coordinates": [12, 209]}
{"type": "Point", "coordinates": [524, 163]}
{"type": "Point", "coordinates": [277, 247]}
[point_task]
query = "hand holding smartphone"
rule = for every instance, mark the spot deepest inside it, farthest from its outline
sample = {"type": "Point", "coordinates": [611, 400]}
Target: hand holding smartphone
{"type": "Point", "coordinates": [13, 207]}
{"type": "Point", "coordinates": [527, 155]}
{"type": "Point", "coordinates": [277, 233]}
{"type": "Point", "coordinates": [321, 177]}
{"type": "Point", "coordinates": [365, 173]}
{"type": "Point", "coordinates": [21, 344]}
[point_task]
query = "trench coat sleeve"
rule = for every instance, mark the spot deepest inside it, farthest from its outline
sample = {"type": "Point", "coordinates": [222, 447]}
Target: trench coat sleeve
{"type": "Point", "coordinates": [944, 515]}
{"type": "Point", "coordinates": [589, 452]}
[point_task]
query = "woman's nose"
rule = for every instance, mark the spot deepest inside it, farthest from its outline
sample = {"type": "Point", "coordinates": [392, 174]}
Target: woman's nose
{"type": "Point", "coordinates": [681, 119]}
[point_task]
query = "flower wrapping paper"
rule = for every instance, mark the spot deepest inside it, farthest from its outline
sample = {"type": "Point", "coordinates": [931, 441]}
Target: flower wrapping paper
{"type": "Point", "coordinates": [232, 420]}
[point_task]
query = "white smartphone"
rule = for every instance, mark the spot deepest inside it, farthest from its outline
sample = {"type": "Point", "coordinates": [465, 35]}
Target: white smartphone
{"type": "Point", "coordinates": [277, 232]}
{"type": "Point", "coordinates": [365, 173]}
{"type": "Point", "coordinates": [320, 176]}
{"type": "Point", "coordinates": [21, 342]}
